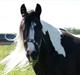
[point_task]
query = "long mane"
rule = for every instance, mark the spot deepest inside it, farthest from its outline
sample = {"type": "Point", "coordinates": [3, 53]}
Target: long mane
{"type": "Point", "coordinates": [17, 58]}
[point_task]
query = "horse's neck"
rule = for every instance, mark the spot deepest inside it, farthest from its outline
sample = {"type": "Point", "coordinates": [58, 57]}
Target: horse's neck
{"type": "Point", "coordinates": [55, 37]}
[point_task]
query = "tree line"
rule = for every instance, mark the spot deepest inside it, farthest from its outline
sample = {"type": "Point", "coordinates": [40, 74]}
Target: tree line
{"type": "Point", "coordinates": [73, 30]}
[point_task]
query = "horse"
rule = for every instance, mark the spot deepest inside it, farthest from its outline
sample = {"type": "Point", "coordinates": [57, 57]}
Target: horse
{"type": "Point", "coordinates": [52, 51]}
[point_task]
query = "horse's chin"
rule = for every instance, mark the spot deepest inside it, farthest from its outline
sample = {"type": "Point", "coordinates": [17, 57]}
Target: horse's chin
{"type": "Point", "coordinates": [32, 56]}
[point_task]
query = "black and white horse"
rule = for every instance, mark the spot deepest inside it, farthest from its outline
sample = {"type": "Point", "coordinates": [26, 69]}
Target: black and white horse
{"type": "Point", "coordinates": [52, 51]}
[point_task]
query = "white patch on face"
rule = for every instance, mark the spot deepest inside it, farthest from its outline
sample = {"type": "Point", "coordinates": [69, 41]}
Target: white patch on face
{"type": "Point", "coordinates": [31, 46]}
{"type": "Point", "coordinates": [55, 37]}
{"type": "Point", "coordinates": [31, 31]}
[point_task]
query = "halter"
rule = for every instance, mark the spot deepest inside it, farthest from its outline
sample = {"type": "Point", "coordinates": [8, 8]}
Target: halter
{"type": "Point", "coordinates": [33, 41]}
{"type": "Point", "coordinates": [37, 46]}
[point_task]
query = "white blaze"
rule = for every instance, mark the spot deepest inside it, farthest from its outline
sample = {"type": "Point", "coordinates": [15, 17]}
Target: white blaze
{"type": "Point", "coordinates": [31, 46]}
{"type": "Point", "coordinates": [31, 31]}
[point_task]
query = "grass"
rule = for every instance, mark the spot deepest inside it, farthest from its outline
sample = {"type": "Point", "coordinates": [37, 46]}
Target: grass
{"type": "Point", "coordinates": [4, 51]}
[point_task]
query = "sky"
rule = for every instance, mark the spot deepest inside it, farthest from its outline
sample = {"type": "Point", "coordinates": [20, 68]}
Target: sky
{"type": "Point", "coordinates": [59, 13]}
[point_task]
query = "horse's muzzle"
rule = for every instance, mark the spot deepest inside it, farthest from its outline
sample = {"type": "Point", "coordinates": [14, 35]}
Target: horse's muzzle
{"type": "Point", "coordinates": [28, 55]}
{"type": "Point", "coordinates": [32, 55]}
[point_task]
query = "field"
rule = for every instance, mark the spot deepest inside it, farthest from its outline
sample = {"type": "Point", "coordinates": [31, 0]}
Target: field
{"type": "Point", "coordinates": [4, 51]}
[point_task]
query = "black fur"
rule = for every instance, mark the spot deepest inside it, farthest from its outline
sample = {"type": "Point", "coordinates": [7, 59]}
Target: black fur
{"type": "Point", "coordinates": [49, 61]}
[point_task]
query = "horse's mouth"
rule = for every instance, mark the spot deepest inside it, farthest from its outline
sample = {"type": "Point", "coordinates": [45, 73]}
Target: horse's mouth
{"type": "Point", "coordinates": [29, 55]}
{"type": "Point", "coordinates": [32, 55]}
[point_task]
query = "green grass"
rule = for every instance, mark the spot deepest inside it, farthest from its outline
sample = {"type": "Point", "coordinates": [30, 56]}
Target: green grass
{"type": "Point", "coordinates": [4, 51]}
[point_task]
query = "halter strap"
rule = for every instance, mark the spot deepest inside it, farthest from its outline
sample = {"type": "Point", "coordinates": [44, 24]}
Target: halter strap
{"type": "Point", "coordinates": [33, 41]}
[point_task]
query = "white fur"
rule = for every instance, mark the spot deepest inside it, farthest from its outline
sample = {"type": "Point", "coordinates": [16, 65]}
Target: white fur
{"type": "Point", "coordinates": [55, 37]}
{"type": "Point", "coordinates": [17, 58]}
{"type": "Point", "coordinates": [76, 35]}
{"type": "Point", "coordinates": [31, 46]}
{"type": "Point", "coordinates": [31, 31]}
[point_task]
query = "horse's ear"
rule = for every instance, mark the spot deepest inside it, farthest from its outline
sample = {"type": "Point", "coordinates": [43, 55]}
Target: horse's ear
{"type": "Point", "coordinates": [23, 10]}
{"type": "Point", "coordinates": [38, 9]}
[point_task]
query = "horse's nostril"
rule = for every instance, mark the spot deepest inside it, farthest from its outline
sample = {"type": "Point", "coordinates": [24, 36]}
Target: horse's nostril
{"type": "Point", "coordinates": [34, 55]}
{"type": "Point", "coordinates": [28, 53]}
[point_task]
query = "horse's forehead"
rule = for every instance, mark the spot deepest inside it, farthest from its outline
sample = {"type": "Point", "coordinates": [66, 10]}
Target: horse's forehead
{"type": "Point", "coordinates": [55, 37]}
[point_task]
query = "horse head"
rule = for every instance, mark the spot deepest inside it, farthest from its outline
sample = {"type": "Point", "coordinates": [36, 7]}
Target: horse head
{"type": "Point", "coordinates": [33, 31]}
